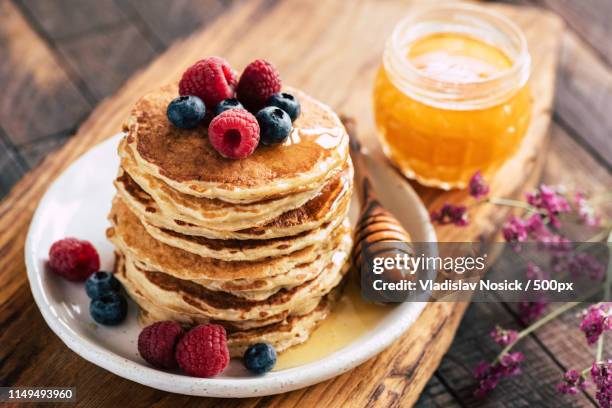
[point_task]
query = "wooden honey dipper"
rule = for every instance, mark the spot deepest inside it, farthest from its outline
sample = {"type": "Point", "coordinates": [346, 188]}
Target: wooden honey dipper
{"type": "Point", "coordinates": [375, 224]}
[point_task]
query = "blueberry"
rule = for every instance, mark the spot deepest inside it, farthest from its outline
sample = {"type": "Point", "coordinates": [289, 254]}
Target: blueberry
{"type": "Point", "coordinates": [286, 102]}
{"type": "Point", "coordinates": [101, 283]}
{"type": "Point", "coordinates": [109, 309]}
{"type": "Point", "coordinates": [274, 125]}
{"type": "Point", "coordinates": [260, 358]}
{"type": "Point", "coordinates": [230, 103]}
{"type": "Point", "coordinates": [186, 112]}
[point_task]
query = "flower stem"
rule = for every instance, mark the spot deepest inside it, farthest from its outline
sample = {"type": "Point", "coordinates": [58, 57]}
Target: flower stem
{"type": "Point", "coordinates": [513, 203]}
{"type": "Point", "coordinates": [526, 331]}
{"type": "Point", "coordinates": [600, 341]}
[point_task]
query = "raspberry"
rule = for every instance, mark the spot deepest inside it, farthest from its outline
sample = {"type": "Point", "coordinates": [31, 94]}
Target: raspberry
{"type": "Point", "coordinates": [203, 352]}
{"type": "Point", "coordinates": [234, 133]}
{"type": "Point", "coordinates": [210, 79]}
{"type": "Point", "coordinates": [156, 343]}
{"type": "Point", "coordinates": [73, 259]}
{"type": "Point", "coordinates": [259, 81]}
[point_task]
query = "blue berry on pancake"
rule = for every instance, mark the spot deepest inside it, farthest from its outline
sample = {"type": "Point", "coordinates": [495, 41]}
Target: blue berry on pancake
{"type": "Point", "coordinates": [100, 283]}
{"type": "Point", "coordinates": [260, 358]}
{"type": "Point", "coordinates": [286, 102]}
{"type": "Point", "coordinates": [186, 112]}
{"type": "Point", "coordinates": [274, 125]}
{"type": "Point", "coordinates": [109, 309]}
{"type": "Point", "coordinates": [230, 103]}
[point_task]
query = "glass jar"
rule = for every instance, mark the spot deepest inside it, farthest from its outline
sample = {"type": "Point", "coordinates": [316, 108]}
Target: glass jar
{"type": "Point", "coordinates": [451, 96]}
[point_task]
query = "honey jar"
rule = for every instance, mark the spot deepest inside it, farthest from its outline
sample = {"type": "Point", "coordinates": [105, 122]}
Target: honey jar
{"type": "Point", "coordinates": [451, 96]}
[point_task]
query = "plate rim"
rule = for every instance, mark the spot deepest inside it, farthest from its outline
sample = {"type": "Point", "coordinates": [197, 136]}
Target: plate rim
{"type": "Point", "coordinates": [302, 376]}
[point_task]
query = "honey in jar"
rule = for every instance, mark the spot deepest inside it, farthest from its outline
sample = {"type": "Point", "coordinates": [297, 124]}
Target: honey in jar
{"type": "Point", "coordinates": [451, 96]}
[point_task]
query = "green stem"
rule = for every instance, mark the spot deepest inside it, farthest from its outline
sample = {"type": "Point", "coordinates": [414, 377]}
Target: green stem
{"type": "Point", "coordinates": [514, 203]}
{"type": "Point", "coordinates": [536, 326]}
{"type": "Point", "coordinates": [600, 341]}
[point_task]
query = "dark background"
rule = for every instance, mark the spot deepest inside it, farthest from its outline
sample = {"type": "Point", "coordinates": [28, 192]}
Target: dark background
{"type": "Point", "coordinates": [60, 58]}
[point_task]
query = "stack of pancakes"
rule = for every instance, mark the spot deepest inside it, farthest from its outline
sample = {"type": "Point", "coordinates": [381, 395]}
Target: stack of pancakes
{"type": "Point", "coordinates": [259, 245]}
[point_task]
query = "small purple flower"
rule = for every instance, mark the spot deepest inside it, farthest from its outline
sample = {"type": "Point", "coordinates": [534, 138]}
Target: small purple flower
{"type": "Point", "coordinates": [451, 214]}
{"type": "Point", "coordinates": [595, 321]}
{"type": "Point", "coordinates": [585, 211]}
{"type": "Point", "coordinates": [510, 363]}
{"type": "Point", "coordinates": [478, 187]}
{"type": "Point", "coordinates": [601, 374]}
{"type": "Point", "coordinates": [531, 311]}
{"type": "Point", "coordinates": [488, 377]}
{"type": "Point", "coordinates": [572, 382]}
{"type": "Point", "coordinates": [503, 337]}
{"type": "Point", "coordinates": [547, 199]}
{"type": "Point", "coordinates": [514, 230]}
{"type": "Point", "coordinates": [534, 223]}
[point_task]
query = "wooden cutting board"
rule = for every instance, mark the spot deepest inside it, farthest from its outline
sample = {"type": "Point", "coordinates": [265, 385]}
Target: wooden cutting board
{"type": "Point", "coordinates": [330, 49]}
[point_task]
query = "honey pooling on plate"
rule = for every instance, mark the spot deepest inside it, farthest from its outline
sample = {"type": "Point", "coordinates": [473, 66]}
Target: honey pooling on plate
{"type": "Point", "coordinates": [452, 97]}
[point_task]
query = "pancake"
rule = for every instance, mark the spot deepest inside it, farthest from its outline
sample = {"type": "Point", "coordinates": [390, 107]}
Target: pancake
{"type": "Point", "coordinates": [261, 288]}
{"type": "Point", "coordinates": [130, 236]}
{"type": "Point", "coordinates": [189, 298]}
{"type": "Point", "coordinates": [281, 331]}
{"type": "Point", "coordinates": [185, 159]}
{"type": "Point", "coordinates": [258, 245]}
{"type": "Point", "coordinates": [286, 333]}
{"type": "Point", "coordinates": [236, 217]}
{"type": "Point", "coordinates": [213, 213]}
{"type": "Point", "coordinates": [321, 209]}
{"type": "Point", "coordinates": [244, 250]}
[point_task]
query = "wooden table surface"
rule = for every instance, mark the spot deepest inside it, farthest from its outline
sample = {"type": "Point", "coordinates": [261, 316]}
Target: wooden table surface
{"type": "Point", "coordinates": [60, 60]}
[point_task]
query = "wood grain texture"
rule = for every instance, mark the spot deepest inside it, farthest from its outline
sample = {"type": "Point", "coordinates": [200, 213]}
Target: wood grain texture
{"type": "Point", "coordinates": [584, 96]}
{"type": "Point", "coordinates": [589, 18]}
{"type": "Point", "coordinates": [35, 151]}
{"type": "Point", "coordinates": [38, 98]}
{"type": "Point", "coordinates": [12, 166]}
{"type": "Point", "coordinates": [61, 19]}
{"type": "Point", "coordinates": [105, 59]}
{"type": "Point", "coordinates": [534, 387]}
{"type": "Point", "coordinates": [314, 55]}
{"type": "Point", "coordinates": [583, 89]}
{"type": "Point", "coordinates": [169, 21]}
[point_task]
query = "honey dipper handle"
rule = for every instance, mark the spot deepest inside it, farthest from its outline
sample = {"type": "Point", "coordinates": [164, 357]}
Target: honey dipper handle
{"type": "Point", "coordinates": [363, 182]}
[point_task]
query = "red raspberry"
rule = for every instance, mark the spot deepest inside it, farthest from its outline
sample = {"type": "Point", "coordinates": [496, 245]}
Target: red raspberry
{"type": "Point", "coordinates": [258, 82]}
{"type": "Point", "coordinates": [73, 259]}
{"type": "Point", "coordinates": [203, 351]}
{"type": "Point", "coordinates": [234, 133]}
{"type": "Point", "coordinates": [210, 79]}
{"type": "Point", "coordinates": [156, 343]}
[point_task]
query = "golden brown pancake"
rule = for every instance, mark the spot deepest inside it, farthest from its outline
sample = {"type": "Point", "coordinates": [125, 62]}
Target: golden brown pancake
{"type": "Point", "coordinates": [129, 235]}
{"type": "Point", "coordinates": [185, 159]}
{"type": "Point", "coordinates": [213, 212]}
{"type": "Point", "coordinates": [331, 200]}
{"type": "Point", "coordinates": [184, 296]}
{"type": "Point", "coordinates": [280, 331]}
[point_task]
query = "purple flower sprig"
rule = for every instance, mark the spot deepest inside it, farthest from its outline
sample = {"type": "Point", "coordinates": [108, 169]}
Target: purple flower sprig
{"type": "Point", "coordinates": [544, 206]}
{"type": "Point", "coordinates": [572, 382]}
{"type": "Point", "coordinates": [601, 375]}
{"type": "Point", "coordinates": [507, 363]}
{"type": "Point", "coordinates": [596, 320]}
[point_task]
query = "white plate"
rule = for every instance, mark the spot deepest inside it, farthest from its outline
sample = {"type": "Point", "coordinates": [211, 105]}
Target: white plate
{"type": "Point", "coordinates": [77, 205]}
